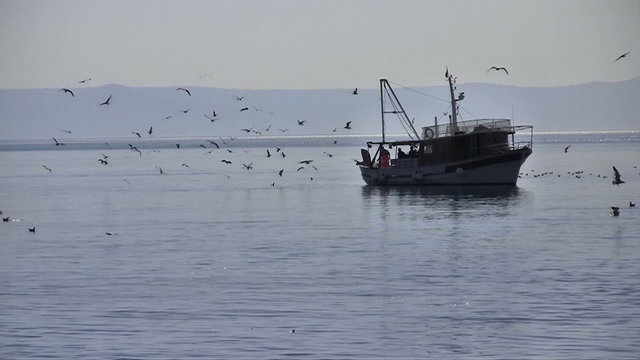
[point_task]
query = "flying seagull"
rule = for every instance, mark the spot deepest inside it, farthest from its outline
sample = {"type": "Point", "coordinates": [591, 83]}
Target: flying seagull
{"type": "Point", "coordinates": [280, 172]}
{"type": "Point", "coordinates": [150, 130]}
{"type": "Point", "coordinates": [32, 229]}
{"type": "Point", "coordinates": [185, 90]}
{"type": "Point", "coordinates": [301, 122]}
{"type": "Point", "coordinates": [46, 168]}
{"type": "Point", "coordinates": [621, 56]}
{"type": "Point", "coordinates": [57, 142]}
{"type": "Point", "coordinates": [244, 109]}
{"type": "Point", "coordinates": [268, 153]}
{"type": "Point", "coordinates": [567, 148]}
{"type": "Point", "coordinates": [238, 98]}
{"type": "Point", "coordinates": [226, 161]}
{"type": "Point", "coordinates": [67, 91]}
{"type": "Point", "coordinates": [348, 125]}
{"type": "Point", "coordinates": [248, 167]}
{"type": "Point", "coordinates": [616, 175]}
{"type": "Point", "coordinates": [136, 133]}
{"type": "Point", "coordinates": [498, 69]}
{"type": "Point", "coordinates": [106, 102]}
{"type": "Point", "coordinates": [84, 81]}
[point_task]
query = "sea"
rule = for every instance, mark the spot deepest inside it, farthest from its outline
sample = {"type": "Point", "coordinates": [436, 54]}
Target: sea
{"type": "Point", "coordinates": [171, 253]}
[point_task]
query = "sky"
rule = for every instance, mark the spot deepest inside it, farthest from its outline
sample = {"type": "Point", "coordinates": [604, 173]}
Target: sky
{"type": "Point", "coordinates": [304, 44]}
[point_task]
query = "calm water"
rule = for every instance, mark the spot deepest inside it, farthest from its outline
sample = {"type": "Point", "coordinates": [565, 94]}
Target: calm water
{"type": "Point", "coordinates": [212, 261]}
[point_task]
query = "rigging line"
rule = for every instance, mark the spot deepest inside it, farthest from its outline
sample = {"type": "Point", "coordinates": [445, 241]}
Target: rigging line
{"type": "Point", "coordinates": [418, 92]}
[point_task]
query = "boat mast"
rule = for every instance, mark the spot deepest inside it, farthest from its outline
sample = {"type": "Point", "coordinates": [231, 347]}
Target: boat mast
{"type": "Point", "coordinates": [382, 81]}
{"type": "Point", "coordinates": [454, 112]}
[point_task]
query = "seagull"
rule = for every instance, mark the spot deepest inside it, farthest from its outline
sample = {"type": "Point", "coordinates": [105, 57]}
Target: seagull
{"type": "Point", "coordinates": [280, 172]}
{"type": "Point", "coordinates": [108, 233]}
{"type": "Point", "coordinates": [226, 161]}
{"type": "Point", "coordinates": [84, 81]}
{"type": "Point", "coordinates": [6, 219]}
{"type": "Point", "coordinates": [300, 168]}
{"type": "Point", "coordinates": [213, 143]}
{"type": "Point", "coordinates": [185, 165]}
{"type": "Point", "coordinates": [150, 130]}
{"type": "Point", "coordinates": [348, 125]}
{"type": "Point", "coordinates": [67, 131]}
{"type": "Point", "coordinates": [617, 180]}
{"type": "Point", "coordinates": [301, 122]}
{"type": "Point", "coordinates": [136, 133]}
{"type": "Point", "coordinates": [632, 204]}
{"type": "Point", "coordinates": [244, 109]}
{"type": "Point", "coordinates": [106, 102]}
{"type": "Point", "coordinates": [32, 229]}
{"type": "Point", "coordinates": [67, 91]}
{"type": "Point", "coordinates": [284, 130]}
{"type": "Point", "coordinates": [211, 118]}
{"type": "Point", "coordinates": [615, 211]}
{"type": "Point", "coordinates": [46, 168]}
{"type": "Point", "coordinates": [103, 161]}
{"type": "Point", "coordinates": [57, 143]}
{"type": "Point", "coordinates": [283, 154]}
{"type": "Point", "coordinates": [185, 111]}
{"type": "Point", "coordinates": [326, 153]}
{"type": "Point", "coordinates": [247, 130]}
{"type": "Point", "coordinates": [238, 98]}
{"type": "Point", "coordinates": [355, 91]}
{"type": "Point", "coordinates": [306, 162]}
{"type": "Point", "coordinates": [178, 146]}
{"type": "Point", "coordinates": [268, 153]}
{"type": "Point", "coordinates": [621, 56]}
{"type": "Point", "coordinates": [248, 167]}
{"type": "Point", "coordinates": [498, 69]}
{"type": "Point", "coordinates": [567, 148]}
{"type": "Point", "coordinates": [185, 90]}
{"type": "Point", "coordinates": [160, 169]}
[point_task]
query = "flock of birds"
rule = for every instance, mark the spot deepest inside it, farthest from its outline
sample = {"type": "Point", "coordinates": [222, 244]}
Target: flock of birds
{"type": "Point", "coordinates": [103, 160]}
{"type": "Point", "coordinates": [578, 174]}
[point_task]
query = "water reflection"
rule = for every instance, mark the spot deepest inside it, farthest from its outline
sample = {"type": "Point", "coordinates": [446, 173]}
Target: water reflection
{"type": "Point", "coordinates": [435, 202]}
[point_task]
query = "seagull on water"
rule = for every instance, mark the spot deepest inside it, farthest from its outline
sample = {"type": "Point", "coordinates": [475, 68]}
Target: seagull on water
{"type": "Point", "coordinates": [615, 211]}
{"type": "Point", "coordinates": [355, 91]}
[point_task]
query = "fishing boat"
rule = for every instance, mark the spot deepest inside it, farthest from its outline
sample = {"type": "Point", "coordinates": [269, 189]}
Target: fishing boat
{"type": "Point", "coordinates": [469, 152]}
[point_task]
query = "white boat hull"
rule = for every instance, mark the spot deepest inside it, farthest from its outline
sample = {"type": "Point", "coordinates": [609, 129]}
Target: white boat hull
{"type": "Point", "coordinates": [494, 170]}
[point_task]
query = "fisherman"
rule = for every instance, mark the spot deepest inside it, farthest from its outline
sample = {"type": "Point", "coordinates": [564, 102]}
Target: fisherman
{"type": "Point", "coordinates": [401, 154]}
{"type": "Point", "coordinates": [384, 157]}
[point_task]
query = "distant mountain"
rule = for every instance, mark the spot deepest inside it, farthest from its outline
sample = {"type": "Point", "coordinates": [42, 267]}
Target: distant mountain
{"type": "Point", "coordinates": [42, 113]}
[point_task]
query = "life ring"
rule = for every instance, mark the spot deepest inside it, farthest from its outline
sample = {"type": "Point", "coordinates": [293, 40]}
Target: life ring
{"type": "Point", "coordinates": [428, 133]}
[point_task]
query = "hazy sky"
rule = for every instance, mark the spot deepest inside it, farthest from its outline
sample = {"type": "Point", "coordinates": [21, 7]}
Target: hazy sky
{"type": "Point", "coordinates": [291, 44]}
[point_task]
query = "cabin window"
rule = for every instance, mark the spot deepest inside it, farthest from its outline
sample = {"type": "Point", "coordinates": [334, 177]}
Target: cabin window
{"type": "Point", "coordinates": [427, 149]}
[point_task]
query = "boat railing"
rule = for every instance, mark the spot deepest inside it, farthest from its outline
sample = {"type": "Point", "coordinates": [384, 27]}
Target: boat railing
{"type": "Point", "coordinates": [465, 127]}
